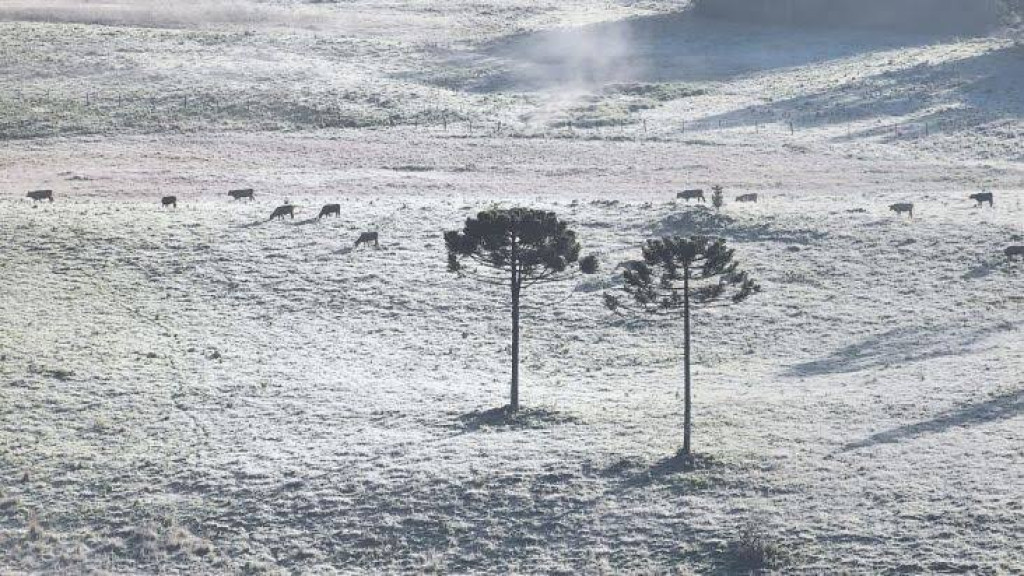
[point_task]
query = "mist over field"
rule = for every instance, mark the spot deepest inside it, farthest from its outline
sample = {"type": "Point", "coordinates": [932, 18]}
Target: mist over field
{"type": "Point", "coordinates": [157, 13]}
{"type": "Point", "coordinates": [241, 330]}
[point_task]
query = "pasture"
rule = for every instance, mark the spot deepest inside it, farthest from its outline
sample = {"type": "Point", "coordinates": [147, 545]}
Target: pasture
{"type": "Point", "coordinates": [204, 390]}
{"type": "Point", "coordinates": [191, 387]}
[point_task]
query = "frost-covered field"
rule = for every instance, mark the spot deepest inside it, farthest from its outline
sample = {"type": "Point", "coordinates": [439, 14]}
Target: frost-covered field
{"type": "Point", "coordinates": [294, 403]}
{"type": "Point", "coordinates": [200, 390]}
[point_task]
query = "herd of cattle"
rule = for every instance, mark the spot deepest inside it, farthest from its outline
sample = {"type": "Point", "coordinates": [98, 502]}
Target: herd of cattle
{"type": "Point", "coordinates": [980, 198]}
{"type": "Point", "coordinates": [279, 212]}
{"type": "Point", "coordinates": [899, 208]}
{"type": "Point", "coordinates": [698, 194]}
{"type": "Point", "coordinates": [368, 237]}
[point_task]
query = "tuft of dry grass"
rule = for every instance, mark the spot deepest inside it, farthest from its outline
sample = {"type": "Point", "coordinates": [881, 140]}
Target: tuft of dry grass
{"type": "Point", "coordinates": [180, 540]}
{"type": "Point", "coordinates": [754, 549]}
{"type": "Point", "coordinates": [34, 531]}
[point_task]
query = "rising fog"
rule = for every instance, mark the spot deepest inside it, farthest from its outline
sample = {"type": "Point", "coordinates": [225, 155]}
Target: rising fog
{"type": "Point", "coordinates": [154, 13]}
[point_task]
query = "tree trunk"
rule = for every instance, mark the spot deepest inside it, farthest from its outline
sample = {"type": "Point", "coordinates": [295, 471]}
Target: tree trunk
{"type": "Point", "coordinates": [686, 361]}
{"type": "Point", "coordinates": [513, 404]}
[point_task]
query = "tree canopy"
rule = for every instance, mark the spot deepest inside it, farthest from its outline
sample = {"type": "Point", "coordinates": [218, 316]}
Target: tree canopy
{"type": "Point", "coordinates": [534, 244]}
{"type": "Point", "coordinates": [518, 248]}
{"type": "Point", "coordinates": [675, 275]}
{"type": "Point", "coordinates": [704, 264]}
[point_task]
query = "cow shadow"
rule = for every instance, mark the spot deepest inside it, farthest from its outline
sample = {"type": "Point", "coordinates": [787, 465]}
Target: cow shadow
{"type": "Point", "coordinates": [305, 222]}
{"type": "Point", "coordinates": [987, 267]}
{"type": "Point", "coordinates": [999, 408]}
{"type": "Point", "coordinates": [980, 270]}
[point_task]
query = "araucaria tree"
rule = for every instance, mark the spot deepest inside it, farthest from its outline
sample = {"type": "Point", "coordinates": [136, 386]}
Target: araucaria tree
{"type": "Point", "coordinates": [717, 197]}
{"type": "Point", "coordinates": [519, 248]}
{"type": "Point", "coordinates": [675, 276]}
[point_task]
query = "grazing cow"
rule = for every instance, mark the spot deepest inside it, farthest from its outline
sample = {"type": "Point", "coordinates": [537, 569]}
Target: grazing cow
{"type": "Point", "coordinates": [1012, 251]}
{"type": "Point", "coordinates": [329, 209]}
{"type": "Point", "coordinates": [691, 194]}
{"type": "Point", "coordinates": [747, 198]}
{"type": "Point", "coordinates": [243, 193]}
{"type": "Point", "coordinates": [903, 207]}
{"type": "Point", "coordinates": [37, 195]}
{"type": "Point", "coordinates": [171, 201]}
{"type": "Point", "coordinates": [983, 197]}
{"type": "Point", "coordinates": [367, 237]}
{"type": "Point", "coordinates": [282, 211]}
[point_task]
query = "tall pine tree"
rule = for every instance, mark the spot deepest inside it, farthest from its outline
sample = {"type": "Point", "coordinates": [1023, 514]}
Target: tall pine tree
{"type": "Point", "coordinates": [674, 276]}
{"type": "Point", "coordinates": [518, 248]}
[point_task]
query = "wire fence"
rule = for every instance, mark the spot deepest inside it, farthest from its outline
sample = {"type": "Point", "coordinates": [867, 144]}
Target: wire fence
{"type": "Point", "coordinates": [26, 114]}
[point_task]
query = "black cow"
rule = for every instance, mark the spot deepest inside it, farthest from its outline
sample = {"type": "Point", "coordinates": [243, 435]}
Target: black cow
{"type": "Point", "coordinates": [983, 197]}
{"type": "Point", "coordinates": [901, 208]}
{"type": "Point", "coordinates": [282, 211]}
{"type": "Point", "coordinates": [329, 209]}
{"type": "Point", "coordinates": [747, 198]}
{"type": "Point", "coordinates": [1012, 251]}
{"type": "Point", "coordinates": [691, 194]}
{"type": "Point", "coordinates": [243, 193]}
{"type": "Point", "coordinates": [37, 195]}
{"type": "Point", "coordinates": [171, 201]}
{"type": "Point", "coordinates": [367, 237]}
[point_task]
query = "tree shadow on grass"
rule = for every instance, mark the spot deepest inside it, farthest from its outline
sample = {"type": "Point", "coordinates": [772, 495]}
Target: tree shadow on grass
{"type": "Point", "coordinates": [1002, 407]}
{"type": "Point", "coordinates": [701, 220]}
{"type": "Point", "coordinates": [524, 419]}
{"type": "Point", "coordinates": [668, 467]}
{"type": "Point", "coordinates": [896, 347]}
{"type": "Point", "coordinates": [523, 514]}
{"type": "Point", "coordinates": [983, 85]}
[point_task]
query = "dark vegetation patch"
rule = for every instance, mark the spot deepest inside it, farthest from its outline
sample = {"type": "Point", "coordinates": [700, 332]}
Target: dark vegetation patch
{"type": "Point", "coordinates": [755, 550]}
{"type": "Point", "coordinates": [525, 418]}
{"type": "Point", "coordinates": [660, 92]}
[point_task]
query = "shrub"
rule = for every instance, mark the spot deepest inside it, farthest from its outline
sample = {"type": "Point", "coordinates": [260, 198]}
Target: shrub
{"type": "Point", "coordinates": [754, 549]}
